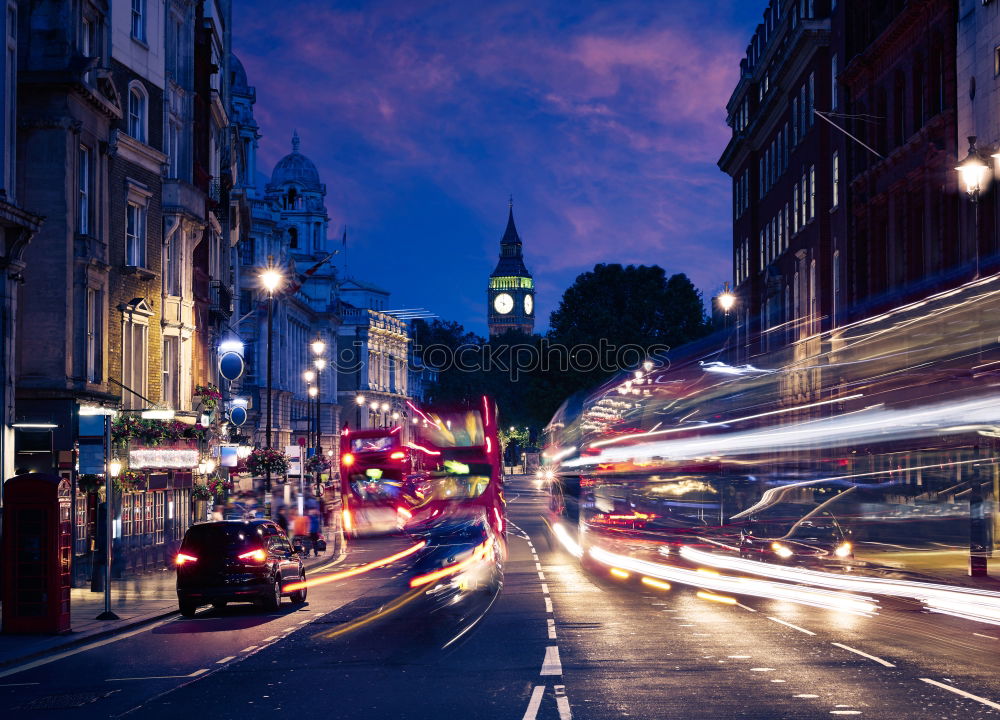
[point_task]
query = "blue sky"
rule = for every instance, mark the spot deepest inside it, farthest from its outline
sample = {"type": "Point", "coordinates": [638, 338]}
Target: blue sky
{"type": "Point", "coordinates": [604, 120]}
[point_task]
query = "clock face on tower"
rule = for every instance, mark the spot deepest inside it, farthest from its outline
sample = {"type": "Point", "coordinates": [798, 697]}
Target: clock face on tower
{"type": "Point", "coordinates": [529, 304]}
{"type": "Point", "coordinates": [503, 303]}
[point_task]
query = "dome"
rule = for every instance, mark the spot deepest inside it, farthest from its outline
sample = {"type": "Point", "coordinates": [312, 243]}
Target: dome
{"type": "Point", "coordinates": [296, 168]}
{"type": "Point", "coordinates": [238, 76]}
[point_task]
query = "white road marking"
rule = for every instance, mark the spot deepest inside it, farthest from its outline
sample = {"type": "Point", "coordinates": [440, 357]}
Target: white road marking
{"type": "Point", "coordinates": [196, 673]}
{"type": "Point", "coordinates": [562, 703]}
{"type": "Point", "coordinates": [269, 639]}
{"type": "Point", "coordinates": [845, 712]}
{"type": "Point", "coordinates": [82, 648]}
{"type": "Point", "coordinates": [879, 660]}
{"type": "Point", "coordinates": [806, 695]}
{"type": "Point", "coordinates": [778, 680]}
{"type": "Point", "coordinates": [225, 660]}
{"type": "Point", "coordinates": [990, 637]}
{"type": "Point", "coordinates": [793, 627]}
{"type": "Point", "coordinates": [984, 701]}
{"type": "Point", "coordinates": [534, 703]}
{"type": "Point", "coordinates": [303, 622]}
{"type": "Point", "coordinates": [248, 649]}
{"type": "Point", "coordinates": [541, 575]}
{"type": "Point", "coordinates": [740, 657]}
{"type": "Point", "coordinates": [545, 589]}
{"type": "Point", "coordinates": [548, 605]}
{"type": "Point", "coordinates": [552, 629]}
{"type": "Point", "coordinates": [551, 664]}
{"type": "Point", "coordinates": [761, 669]}
{"type": "Point", "coordinates": [538, 566]}
{"type": "Point", "coordinates": [745, 607]}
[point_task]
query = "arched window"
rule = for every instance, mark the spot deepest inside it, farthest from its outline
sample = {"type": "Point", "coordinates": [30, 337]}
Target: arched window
{"type": "Point", "coordinates": [137, 111]}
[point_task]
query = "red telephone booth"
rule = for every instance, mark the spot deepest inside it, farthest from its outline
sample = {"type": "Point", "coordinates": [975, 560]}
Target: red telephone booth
{"type": "Point", "coordinates": [37, 548]}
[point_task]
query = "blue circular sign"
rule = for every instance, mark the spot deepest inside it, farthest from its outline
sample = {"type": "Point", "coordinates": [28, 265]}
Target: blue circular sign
{"type": "Point", "coordinates": [238, 415]}
{"type": "Point", "coordinates": [231, 365]}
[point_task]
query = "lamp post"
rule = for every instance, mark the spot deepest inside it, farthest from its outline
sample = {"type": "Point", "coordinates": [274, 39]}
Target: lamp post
{"type": "Point", "coordinates": [385, 410]}
{"type": "Point", "coordinates": [726, 301]}
{"type": "Point", "coordinates": [359, 403]}
{"type": "Point", "coordinates": [320, 364]}
{"type": "Point", "coordinates": [972, 172]}
{"type": "Point", "coordinates": [309, 376]}
{"type": "Point", "coordinates": [112, 471]}
{"type": "Point", "coordinates": [270, 279]}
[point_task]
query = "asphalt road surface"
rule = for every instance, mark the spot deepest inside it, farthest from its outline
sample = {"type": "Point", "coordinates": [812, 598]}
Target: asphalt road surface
{"type": "Point", "coordinates": [556, 642]}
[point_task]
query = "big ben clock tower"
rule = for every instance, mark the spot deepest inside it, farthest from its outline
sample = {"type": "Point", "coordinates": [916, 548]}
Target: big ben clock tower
{"type": "Point", "coordinates": [511, 293]}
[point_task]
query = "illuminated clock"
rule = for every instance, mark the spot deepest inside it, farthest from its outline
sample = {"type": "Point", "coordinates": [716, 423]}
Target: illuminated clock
{"type": "Point", "coordinates": [529, 304]}
{"type": "Point", "coordinates": [503, 303]}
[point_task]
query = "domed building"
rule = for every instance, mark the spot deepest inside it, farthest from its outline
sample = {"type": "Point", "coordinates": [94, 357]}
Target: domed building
{"type": "Point", "coordinates": [288, 231]}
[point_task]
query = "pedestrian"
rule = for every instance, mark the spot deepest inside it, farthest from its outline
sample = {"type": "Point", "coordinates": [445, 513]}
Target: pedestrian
{"type": "Point", "coordinates": [314, 529]}
{"type": "Point", "coordinates": [300, 526]}
{"type": "Point", "coordinates": [279, 517]}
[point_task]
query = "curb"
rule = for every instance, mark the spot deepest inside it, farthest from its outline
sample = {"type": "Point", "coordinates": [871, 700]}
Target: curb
{"type": "Point", "coordinates": [74, 639]}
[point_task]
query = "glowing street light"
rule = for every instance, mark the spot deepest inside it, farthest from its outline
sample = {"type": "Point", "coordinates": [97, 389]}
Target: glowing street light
{"type": "Point", "coordinates": [726, 299]}
{"type": "Point", "coordinates": [308, 376]}
{"type": "Point", "coordinates": [972, 171]}
{"type": "Point", "coordinates": [318, 346]}
{"type": "Point", "coordinates": [360, 400]}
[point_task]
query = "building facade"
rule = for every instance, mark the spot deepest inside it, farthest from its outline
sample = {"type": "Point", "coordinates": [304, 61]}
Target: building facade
{"type": "Point", "coordinates": [511, 291]}
{"type": "Point", "coordinates": [287, 232]}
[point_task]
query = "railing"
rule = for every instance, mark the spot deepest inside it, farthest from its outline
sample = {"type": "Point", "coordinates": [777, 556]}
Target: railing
{"type": "Point", "coordinates": [221, 298]}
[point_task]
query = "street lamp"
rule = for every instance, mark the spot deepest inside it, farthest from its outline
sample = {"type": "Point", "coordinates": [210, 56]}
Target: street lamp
{"type": "Point", "coordinates": [270, 280]}
{"type": "Point", "coordinates": [318, 347]}
{"type": "Point", "coordinates": [972, 172]}
{"type": "Point", "coordinates": [726, 299]}
{"type": "Point", "coordinates": [359, 402]}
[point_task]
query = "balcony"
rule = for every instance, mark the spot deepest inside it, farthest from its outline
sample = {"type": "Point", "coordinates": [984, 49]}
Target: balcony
{"type": "Point", "coordinates": [221, 299]}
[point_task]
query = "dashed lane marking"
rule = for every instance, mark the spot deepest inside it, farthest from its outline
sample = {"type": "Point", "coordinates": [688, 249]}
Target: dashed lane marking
{"type": "Point", "coordinates": [196, 673]}
{"type": "Point", "coordinates": [541, 575]}
{"type": "Point", "coordinates": [548, 605]}
{"type": "Point", "coordinates": [788, 624]}
{"type": "Point", "coordinates": [970, 696]}
{"type": "Point", "coordinates": [879, 660]}
{"type": "Point", "coordinates": [562, 703]}
{"type": "Point", "coordinates": [269, 639]}
{"type": "Point", "coordinates": [538, 566]}
{"type": "Point", "coordinates": [551, 664]}
{"type": "Point", "coordinates": [745, 607]}
{"type": "Point", "coordinates": [988, 637]}
{"type": "Point", "coordinates": [225, 660]}
{"type": "Point", "coordinates": [248, 649]}
{"type": "Point", "coordinates": [545, 589]}
{"type": "Point", "coordinates": [534, 703]}
{"type": "Point", "coordinates": [552, 629]}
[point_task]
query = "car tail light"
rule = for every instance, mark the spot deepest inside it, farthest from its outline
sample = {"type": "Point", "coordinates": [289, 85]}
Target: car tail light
{"type": "Point", "coordinates": [398, 455]}
{"type": "Point", "coordinates": [183, 558]}
{"type": "Point", "coordinates": [347, 459]}
{"type": "Point", "coordinates": [257, 555]}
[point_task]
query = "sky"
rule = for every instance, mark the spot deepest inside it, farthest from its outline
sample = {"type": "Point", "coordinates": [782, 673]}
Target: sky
{"type": "Point", "coordinates": [603, 120]}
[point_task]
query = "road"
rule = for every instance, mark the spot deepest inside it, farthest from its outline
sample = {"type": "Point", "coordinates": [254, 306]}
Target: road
{"type": "Point", "coordinates": [557, 642]}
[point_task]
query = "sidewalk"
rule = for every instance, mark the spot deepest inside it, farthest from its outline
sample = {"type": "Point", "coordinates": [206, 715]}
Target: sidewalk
{"type": "Point", "coordinates": [948, 565]}
{"type": "Point", "coordinates": [136, 600]}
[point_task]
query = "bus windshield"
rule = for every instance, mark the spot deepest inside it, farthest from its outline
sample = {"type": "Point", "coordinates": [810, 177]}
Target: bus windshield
{"type": "Point", "coordinates": [454, 429]}
{"type": "Point", "coordinates": [371, 444]}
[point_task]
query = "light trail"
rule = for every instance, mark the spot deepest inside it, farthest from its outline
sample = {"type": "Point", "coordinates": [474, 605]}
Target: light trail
{"type": "Point", "coordinates": [323, 579]}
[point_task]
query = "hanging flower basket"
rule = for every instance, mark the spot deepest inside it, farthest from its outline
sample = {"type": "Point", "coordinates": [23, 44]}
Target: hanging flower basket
{"type": "Point", "coordinates": [218, 486]}
{"type": "Point", "coordinates": [91, 484]}
{"type": "Point", "coordinates": [209, 396]}
{"type": "Point", "coordinates": [201, 491]}
{"type": "Point", "coordinates": [317, 464]}
{"type": "Point", "coordinates": [263, 461]}
{"type": "Point", "coordinates": [151, 433]}
{"type": "Point", "coordinates": [130, 481]}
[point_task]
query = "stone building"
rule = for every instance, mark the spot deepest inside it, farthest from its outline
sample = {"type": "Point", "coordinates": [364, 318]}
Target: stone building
{"type": "Point", "coordinates": [287, 232]}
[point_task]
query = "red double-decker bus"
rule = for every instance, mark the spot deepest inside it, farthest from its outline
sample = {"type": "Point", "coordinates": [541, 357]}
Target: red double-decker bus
{"type": "Point", "coordinates": [374, 465]}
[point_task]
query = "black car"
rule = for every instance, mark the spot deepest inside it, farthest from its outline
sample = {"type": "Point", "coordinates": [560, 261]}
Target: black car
{"type": "Point", "coordinates": [236, 561]}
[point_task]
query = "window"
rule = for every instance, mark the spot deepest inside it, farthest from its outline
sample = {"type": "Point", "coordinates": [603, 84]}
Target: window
{"type": "Point", "coordinates": [836, 285]}
{"type": "Point", "coordinates": [813, 292]}
{"type": "Point", "coordinates": [173, 264]}
{"type": "Point", "coordinates": [763, 242]}
{"type": "Point", "coordinates": [135, 349]}
{"type": "Point", "coordinates": [137, 112]}
{"type": "Point", "coordinates": [795, 121]}
{"type": "Point", "coordinates": [247, 251]}
{"type": "Point", "coordinates": [293, 237]}
{"type": "Point", "coordinates": [95, 327]}
{"type": "Point", "coordinates": [83, 190]}
{"type": "Point", "coordinates": [812, 191]}
{"type": "Point", "coordinates": [171, 371]}
{"type": "Point", "coordinates": [811, 103]}
{"type": "Point", "coordinates": [805, 199]}
{"type": "Point", "coordinates": [996, 60]}
{"type": "Point", "coordinates": [833, 82]}
{"type": "Point", "coordinates": [135, 235]}
{"type": "Point", "coordinates": [803, 121]}
{"type": "Point", "coordinates": [795, 208]}
{"type": "Point", "coordinates": [835, 179]}
{"type": "Point", "coordinates": [173, 149]}
{"type": "Point", "coordinates": [786, 227]}
{"type": "Point", "coordinates": [139, 20]}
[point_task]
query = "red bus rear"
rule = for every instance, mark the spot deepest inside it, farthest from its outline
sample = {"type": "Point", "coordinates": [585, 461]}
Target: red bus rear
{"type": "Point", "coordinates": [374, 465]}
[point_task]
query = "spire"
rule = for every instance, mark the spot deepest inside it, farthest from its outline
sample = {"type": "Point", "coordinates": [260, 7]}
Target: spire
{"type": "Point", "coordinates": [295, 141]}
{"type": "Point", "coordinates": [510, 236]}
